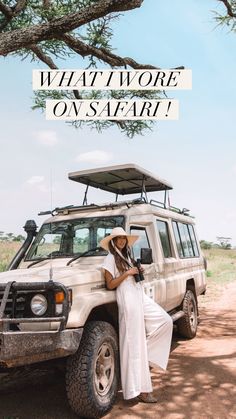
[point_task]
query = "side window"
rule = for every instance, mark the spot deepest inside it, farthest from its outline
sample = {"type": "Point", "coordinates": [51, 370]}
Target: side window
{"type": "Point", "coordinates": [164, 237]}
{"type": "Point", "coordinates": [142, 242]}
{"type": "Point", "coordinates": [101, 233]}
{"type": "Point", "coordinates": [193, 240]}
{"type": "Point", "coordinates": [185, 240]}
{"type": "Point", "coordinates": [177, 239]}
{"type": "Point", "coordinates": [81, 240]}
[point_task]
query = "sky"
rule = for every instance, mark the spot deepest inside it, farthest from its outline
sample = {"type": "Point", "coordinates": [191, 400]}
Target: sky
{"type": "Point", "coordinates": [196, 154]}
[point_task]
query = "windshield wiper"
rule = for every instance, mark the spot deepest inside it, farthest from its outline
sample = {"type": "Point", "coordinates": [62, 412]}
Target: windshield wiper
{"type": "Point", "coordinates": [37, 261]}
{"type": "Point", "coordinates": [94, 249]}
{"type": "Point", "coordinates": [53, 255]}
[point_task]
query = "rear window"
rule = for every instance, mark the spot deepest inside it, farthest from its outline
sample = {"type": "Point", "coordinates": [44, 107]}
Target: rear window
{"type": "Point", "coordinates": [185, 240]}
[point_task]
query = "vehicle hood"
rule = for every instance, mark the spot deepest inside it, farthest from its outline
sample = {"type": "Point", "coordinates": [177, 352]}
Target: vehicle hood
{"type": "Point", "coordinates": [78, 274]}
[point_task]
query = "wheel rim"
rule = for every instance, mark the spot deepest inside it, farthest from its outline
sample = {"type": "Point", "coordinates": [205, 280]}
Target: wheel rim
{"type": "Point", "coordinates": [192, 315]}
{"type": "Point", "coordinates": [104, 369]}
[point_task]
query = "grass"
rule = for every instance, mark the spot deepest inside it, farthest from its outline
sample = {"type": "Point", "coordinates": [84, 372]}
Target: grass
{"type": "Point", "coordinates": [7, 251]}
{"type": "Point", "coordinates": [221, 264]}
{"type": "Point", "coordinates": [221, 270]}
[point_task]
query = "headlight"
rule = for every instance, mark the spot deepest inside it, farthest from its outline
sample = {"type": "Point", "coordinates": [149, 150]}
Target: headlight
{"type": "Point", "coordinates": [39, 305]}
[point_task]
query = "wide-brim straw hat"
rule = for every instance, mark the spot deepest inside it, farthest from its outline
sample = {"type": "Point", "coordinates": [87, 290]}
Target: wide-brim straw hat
{"type": "Point", "coordinates": [116, 232]}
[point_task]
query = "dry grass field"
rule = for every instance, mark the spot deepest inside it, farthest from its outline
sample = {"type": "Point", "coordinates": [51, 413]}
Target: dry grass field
{"type": "Point", "coordinates": [7, 251]}
{"type": "Point", "coordinates": [221, 264]}
{"type": "Point", "coordinates": [221, 270]}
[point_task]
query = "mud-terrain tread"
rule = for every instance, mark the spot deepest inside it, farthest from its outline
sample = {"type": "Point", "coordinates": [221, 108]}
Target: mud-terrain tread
{"type": "Point", "coordinates": [79, 374]}
{"type": "Point", "coordinates": [183, 323]}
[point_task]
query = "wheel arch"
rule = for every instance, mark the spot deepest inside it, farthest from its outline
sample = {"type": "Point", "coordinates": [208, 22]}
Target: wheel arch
{"type": "Point", "coordinates": [107, 312]}
{"type": "Point", "coordinates": [190, 285]}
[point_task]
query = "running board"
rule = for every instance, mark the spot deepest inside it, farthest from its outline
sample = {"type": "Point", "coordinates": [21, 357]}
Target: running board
{"type": "Point", "coordinates": [177, 315]}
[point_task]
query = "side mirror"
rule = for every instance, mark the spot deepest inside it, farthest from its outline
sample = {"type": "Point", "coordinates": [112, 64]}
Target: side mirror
{"type": "Point", "coordinates": [146, 256]}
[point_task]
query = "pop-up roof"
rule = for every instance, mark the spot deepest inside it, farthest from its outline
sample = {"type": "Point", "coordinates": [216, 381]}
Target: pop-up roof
{"type": "Point", "coordinates": [122, 179]}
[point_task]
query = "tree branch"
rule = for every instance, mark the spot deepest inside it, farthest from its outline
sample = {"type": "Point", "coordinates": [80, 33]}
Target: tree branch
{"type": "Point", "coordinates": [6, 10]}
{"type": "Point", "coordinates": [49, 62]}
{"type": "Point", "coordinates": [20, 5]}
{"type": "Point", "coordinates": [43, 57]}
{"type": "Point", "coordinates": [229, 8]}
{"type": "Point", "coordinates": [22, 38]}
{"type": "Point", "coordinates": [103, 54]}
{"type": "Point", "coordinates": [11, 12]}
{"type": "Point", "coordinates": [46, 4]}
{"type": "Point", "coordinates": [84, 50]}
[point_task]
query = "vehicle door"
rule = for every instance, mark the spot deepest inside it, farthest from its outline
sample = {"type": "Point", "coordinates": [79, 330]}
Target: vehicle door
{"type": "Point", "coordinates": [168, 263]}
{"type": "Point", "coordinates": [154, 285]}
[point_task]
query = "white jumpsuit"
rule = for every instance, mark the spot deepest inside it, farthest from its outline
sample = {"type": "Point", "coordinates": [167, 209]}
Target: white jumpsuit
{"type": "Point", "coordinates": [145, 332]}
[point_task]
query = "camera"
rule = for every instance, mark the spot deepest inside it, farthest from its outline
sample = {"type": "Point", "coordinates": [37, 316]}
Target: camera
{"type": "Point", "coordinates": [138, 277]}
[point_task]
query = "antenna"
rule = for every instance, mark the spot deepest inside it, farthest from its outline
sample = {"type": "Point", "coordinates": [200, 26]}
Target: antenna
{"type": "Point", "coordinates": [51, 205]}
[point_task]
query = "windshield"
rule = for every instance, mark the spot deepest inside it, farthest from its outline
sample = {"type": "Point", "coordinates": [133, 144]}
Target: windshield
{"type": "Point", "coordinates": [72, 237]}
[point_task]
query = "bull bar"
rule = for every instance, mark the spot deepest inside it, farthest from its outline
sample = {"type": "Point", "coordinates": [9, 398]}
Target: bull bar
{"type": "Point", "coordinates": [27, 347]}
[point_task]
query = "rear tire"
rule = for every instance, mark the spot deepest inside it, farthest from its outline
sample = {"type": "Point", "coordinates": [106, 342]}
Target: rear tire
{"type": "Point", "coordinates": [187, 325]}
{"type": "Point", "coordinates": [92, 373]}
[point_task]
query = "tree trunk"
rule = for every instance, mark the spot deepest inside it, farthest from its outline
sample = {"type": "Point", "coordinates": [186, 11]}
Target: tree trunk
{"type": "Point", "coordinates": [22, 38]}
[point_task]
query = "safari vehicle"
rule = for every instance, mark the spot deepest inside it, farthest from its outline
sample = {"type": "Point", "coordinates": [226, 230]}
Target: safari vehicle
{"type": "Point", "coordinates": [54, 302]}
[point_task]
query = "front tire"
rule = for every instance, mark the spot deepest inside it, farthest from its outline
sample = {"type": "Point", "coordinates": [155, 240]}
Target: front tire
{"type": "Point", "coordinates": [92, 373]}
{"type": "Point", "coordinates": [187, 325]}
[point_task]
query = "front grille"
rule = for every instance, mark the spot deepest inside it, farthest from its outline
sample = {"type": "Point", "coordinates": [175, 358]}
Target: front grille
{"type": "Point", "coordinates": [16, 304]}
{"type": "Point", "coordinates": [15, 299]}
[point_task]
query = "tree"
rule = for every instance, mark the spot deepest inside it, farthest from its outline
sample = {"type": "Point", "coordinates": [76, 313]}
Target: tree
{"type": "Point", "coordinates": [229, 18]}
{"type": "Point", "coordinates": [10, 237]}
{"type": "Point", "coordinates": [48, 30]}
{"type": "Point", "coordinates": [19, 238]}
{"type": "Point", "coordinates": [224, 242]}
{"type": "Point", "coordinates": [205, 244]}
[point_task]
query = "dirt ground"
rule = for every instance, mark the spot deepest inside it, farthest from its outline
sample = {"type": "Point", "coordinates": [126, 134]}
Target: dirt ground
{"type": "Point", "coordinates": [200, 382]}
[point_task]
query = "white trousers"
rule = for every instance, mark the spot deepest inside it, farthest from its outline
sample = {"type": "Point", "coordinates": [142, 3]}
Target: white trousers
{"type": "Point", "coordinates": [145, 332]}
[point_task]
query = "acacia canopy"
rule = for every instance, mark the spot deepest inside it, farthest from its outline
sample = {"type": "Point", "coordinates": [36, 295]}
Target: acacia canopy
{"type": "Point", "coordinates": [49, 30]}
{"type": "Point", "coordinates": [229, 17]}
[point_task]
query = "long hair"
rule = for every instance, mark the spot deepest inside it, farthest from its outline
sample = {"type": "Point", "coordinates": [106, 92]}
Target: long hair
{"type": "Point", "coordinates": [121, 264]}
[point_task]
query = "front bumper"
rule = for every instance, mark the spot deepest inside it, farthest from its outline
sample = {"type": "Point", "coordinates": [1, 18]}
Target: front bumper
{"type": "Point", "coordinates": [19, 347]}
{"type": "Point", "coordinates": [22, 348]}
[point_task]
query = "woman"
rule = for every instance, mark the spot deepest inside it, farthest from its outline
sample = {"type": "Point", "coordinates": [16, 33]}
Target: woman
{"type": "Point", "coordinates": [145, 329]}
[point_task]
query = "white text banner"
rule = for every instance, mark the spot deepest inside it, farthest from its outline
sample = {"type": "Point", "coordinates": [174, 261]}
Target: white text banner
{"type": "Point", "coordinates": [112, 79]}
{"type": "Point", "coordinates": [71, 110]}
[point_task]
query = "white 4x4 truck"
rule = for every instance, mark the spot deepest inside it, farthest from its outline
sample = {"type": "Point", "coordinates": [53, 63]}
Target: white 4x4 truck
{"type": "Point", "coordinates": [54, 302]}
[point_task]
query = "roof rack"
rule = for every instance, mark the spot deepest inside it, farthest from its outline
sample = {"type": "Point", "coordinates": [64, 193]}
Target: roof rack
{"type": "Point", "coordinates": [122, 179]}
{"type": "Point", "coordinates": [75, 208]}
{"type": "Point", "coordinates": [159, 204]}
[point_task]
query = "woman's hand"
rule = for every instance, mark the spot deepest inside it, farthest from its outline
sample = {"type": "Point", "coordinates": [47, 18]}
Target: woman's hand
{"type": "Point", "coordinates": [132, 271]}
{"type": "Point", "coordinates": [113, 283]}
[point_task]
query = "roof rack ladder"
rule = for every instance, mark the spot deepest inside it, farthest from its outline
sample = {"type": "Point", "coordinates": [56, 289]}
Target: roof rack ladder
{"type": "Point", "coordinates": [165, 198]}
{"type": "Point", "coordinates": [144, 190]}
{"type": "Point", "coordinates": [85, 196]}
